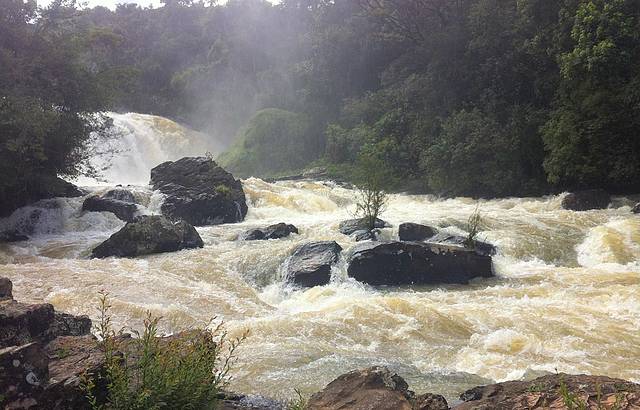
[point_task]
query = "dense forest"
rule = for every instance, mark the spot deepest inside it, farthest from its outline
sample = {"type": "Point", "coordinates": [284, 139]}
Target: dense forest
{"type": "Point", "coordinates": [455, 97]}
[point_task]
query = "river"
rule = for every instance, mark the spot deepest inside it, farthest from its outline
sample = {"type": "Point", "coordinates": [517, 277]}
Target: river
{"type": "Point", "coordinates": [566, 296]}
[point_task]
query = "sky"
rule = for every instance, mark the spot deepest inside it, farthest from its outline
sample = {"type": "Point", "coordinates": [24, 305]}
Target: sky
{"type": "Point", "coordinates": [109, 3]}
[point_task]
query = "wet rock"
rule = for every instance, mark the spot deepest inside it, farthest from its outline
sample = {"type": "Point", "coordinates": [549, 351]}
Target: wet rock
{"type": "Point", "coordinates": [409, 263]}
{"type": "Point", "coordinates": [21, 323]}
{"type": "Point", "coordinates": [231, 401]}
{"type": "Point", "coordinates": [310, 264]}
{"type": "Point", "coordinates": [23, 372]}
{"type": "Point", "coordinates": [409, 231]}
{"type": "Point", "coordinates": [69, 325]}
{"type": "Point", "coordinates": [482, 248]}
{"type": "Point", "coordinates": [544, 393]}
{"type": "Point", "coordinates": [199, 191]}
{"type": "Point", "coordinates": [149, 234]}
{"type": "Point", "coordinates": [12, 236]}
{"type": "Point", "coordinates": [375, 388]}
{"type": "Point", "coordinates": [6, 289]}
{"type": "Point", "coordinates": [125, 211]}
{"type": "Point", "coordinates": [351, 225]}
{"type": "Point", "coordinates": [47, 187]}
{"type": "Point", "coordinates": [120, 194]}
{"type": "Point", "coordinates": [315, 173]}
{"type": "Point", "coordinates": [586, 200]}
{"type": "Point", "coordinates": [364, 235]}
{"type": "Point", "coordinates": [636, 209]}
{"type": "Point", "coordinates": [277, 231]}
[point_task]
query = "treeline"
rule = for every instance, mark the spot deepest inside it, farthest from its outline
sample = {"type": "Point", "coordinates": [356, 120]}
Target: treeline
{"type": "Point", "coordinates": [455, 97]}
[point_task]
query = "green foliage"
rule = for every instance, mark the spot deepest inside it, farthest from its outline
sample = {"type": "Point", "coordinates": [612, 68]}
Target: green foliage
{"type": "Point", "coordinates": [474, 224]}
{"type": "Point", "coordinates": [274, 141]}
{"type": "Point", "coordinates": [185, 371]}
{"type": "Point", "coordinates": [299, 403]}
{"type": "Point", "coordinates": [371, 197]}
{"type": "Point", "coordinates": [223, 190]}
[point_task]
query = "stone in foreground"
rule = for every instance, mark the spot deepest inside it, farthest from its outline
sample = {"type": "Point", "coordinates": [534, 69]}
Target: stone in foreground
{"type": "Point", "coordinates": [277, 231]}
{"type": "Point", "coordinates": [415, 263]}
{"type": "Point", "coordinates": [544, 393]}
{"type": "Point", "coordinates": [352, 225]}
{"type": "Point", "coordinates": [199, 191]}
{"type": "Point", "coordinates": [149, 234]}
{"type": "Point", "coordinates": [409, 231]}
{"type": "Point", "coordinates": [310, 264]}
{"type": "Point", "coordinates": [125, 211]}
{"type": "Point", "coordinates": [586, 200]}
{"type": "Point", "coordinates": [375, 388]}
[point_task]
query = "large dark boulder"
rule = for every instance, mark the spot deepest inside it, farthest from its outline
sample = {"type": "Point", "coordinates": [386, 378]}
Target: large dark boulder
{"type": "Point", "coordinates": [409, 231]}
{"type": "Point", "coordinates": [375, 388]}
{"type": "Point", "coordinates": [310, 264]}
{"type": "Point", "coordinates": [360, 224]}
{"type": "Point", "coordinates": [408, 263]}
{"type": "Point", "coordinates": [199, 191]}
{"type": "Point", "coordinates": [636, 209]}
{"type": "Point", "coordinates": [6, 289]}
{"type": "Point", "coordinates": [46, 187]}
{"type": "Point", "coordinates": [125, 211]}
{"type": "Point", "coordinates": [586, 200]}
{"type": "Point", "coordinates": [545, 392]}
{"type": "Point", "coordinates": [482, 248]}
{"type": "Point", "coordinates": [276, 231]}
{"type": "Point", "coordinates": [149, 234]}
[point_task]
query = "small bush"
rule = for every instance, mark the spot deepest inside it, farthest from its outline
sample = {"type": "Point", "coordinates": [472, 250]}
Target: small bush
{"type": "Point", "coordinates": [473, 227]}
{"type": "Point", "coordinates": [371, 198]}
{"type": "Point", "coordinates": [223, 191]}
{"type": "Point", "coordinates": [149, 372]}
{"type": "Point", "coordinates": [299, 403]}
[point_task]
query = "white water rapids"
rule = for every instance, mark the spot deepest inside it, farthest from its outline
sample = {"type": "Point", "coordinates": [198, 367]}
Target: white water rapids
{"type": "Point", "coordinates": [566, 295]}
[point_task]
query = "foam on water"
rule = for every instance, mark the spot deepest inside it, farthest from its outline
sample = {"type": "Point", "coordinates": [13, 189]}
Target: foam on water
{"type": "Point", "coordinates": [567, 295]}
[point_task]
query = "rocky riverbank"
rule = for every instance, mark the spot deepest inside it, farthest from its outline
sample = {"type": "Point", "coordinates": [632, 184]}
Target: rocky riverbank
{"type": "Point", "coordinates": [46, 357]}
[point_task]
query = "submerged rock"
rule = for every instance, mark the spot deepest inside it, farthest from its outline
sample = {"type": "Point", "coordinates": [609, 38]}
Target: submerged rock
{"type": "Point", "coordinates": [12, 236]}
{"type": "Point", "coordinates": [120, 194]}
{"type": "Point", "coordinates": [310, 264]}
{"type": "Point", "coordinates": [277, 231]}
{"type": "Point", "coordinates": [409, 231]}
{"type": "Point", "coordinates": [482, 248]}
{"type": "Point", "coordinates": [636, 209]}
{"type": "Point", "coordinates": [375, 388]}
{"type": "Point", "coordinates": [352, 225]}
{"type": "Point", "coordinates": [125, 211]}
{"type": "Point", "coordinates": [199, 191]}
{"type": "Point", "coordinates": [149, 234]}
{"type": "Point", "coordinates": [586, 200]}
{"type": "Point", "coordinates": [408, 263]}
{"type": "Point", "coordinates": [545, 393]}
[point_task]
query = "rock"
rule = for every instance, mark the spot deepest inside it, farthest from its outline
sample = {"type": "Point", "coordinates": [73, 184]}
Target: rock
{"type": "Point", "coordinates": [149, 234]}
{"type": "Point", "coordinates": [120, 194]}
{"type": "Point", "coordinates": [364, 235]}
{"type": "Point", "coordinates": [123, 210]}
{"type": "Point", "coordinates": [544, 393]}
{"type": "Point", "coordinates": [24, 370]}
{"type": "Point", "coordinates": [415, 232]}
{"type": "Point", "coordinates": [276, 231]}
{"type": "Point", "coordinates": [430, 401]}
{"type": "Point", "coordinates": [231, 401]}
{"type": "Point", "coordinates": [482, 248]}
{"type": "Point", "coordinates": [47, 187]}
{"type": "Point", "coordinates": [199, 191]}
{"type": "Point", "coordinates": [351, 225]}
{"type": "Point", "coordinates": [21, 323]}
{"type": "Point", "coordinates": [12, 236]}
{"type": "Point", "coordinates": [375, 388]}
{"type": "Point", "coordinates": [315, 172]}
{"type": "Point", "coordinates": [6, 289]}
{"type": "Point", "coordinates": [310, 264]}
{"type": "Point", "coordinates": [586, 200]}
{"type": "Point", "coordinates": [636, 209]}
{"type": "Point", "coordinates": [409, 263]}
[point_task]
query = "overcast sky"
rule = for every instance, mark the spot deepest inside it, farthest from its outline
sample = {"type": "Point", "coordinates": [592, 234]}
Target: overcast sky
{"type": "Point", "coordinates": [109, 3]}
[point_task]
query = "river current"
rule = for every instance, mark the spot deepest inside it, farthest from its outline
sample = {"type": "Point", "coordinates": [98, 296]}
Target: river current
{"type": "Point", "coordinates": [566, 296]}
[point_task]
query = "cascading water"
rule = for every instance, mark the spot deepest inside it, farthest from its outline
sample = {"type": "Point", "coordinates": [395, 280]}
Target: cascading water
{"type": "Point", "coordinates": [567, 294]}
